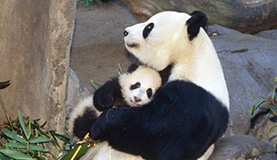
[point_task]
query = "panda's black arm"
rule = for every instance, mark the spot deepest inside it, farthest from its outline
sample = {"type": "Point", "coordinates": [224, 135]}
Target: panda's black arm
{"type": "Point", "coordinates": [181, 122]}
{"type": "Point", "coordinates": [105, 96]}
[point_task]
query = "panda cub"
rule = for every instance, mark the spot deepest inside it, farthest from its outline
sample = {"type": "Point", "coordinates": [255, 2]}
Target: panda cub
{"type": "Point", "coordinates": [136, 88]}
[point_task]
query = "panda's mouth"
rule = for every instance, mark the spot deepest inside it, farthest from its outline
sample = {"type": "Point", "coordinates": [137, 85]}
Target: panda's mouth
{"type": "Point", "coordinates": [133, 45]}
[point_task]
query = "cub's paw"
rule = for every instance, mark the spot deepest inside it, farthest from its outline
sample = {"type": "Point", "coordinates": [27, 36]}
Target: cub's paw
{"type": "Point", "coordinates": [103, 99]}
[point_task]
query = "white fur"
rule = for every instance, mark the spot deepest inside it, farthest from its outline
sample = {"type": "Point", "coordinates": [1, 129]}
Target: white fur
{"type": "Point", "coordinates": [147, 77]}
{"type": "Point", "coordinates": [194, 60]}
{"type": "Point", "coordinates": [168, 43]}
{"type": "Point", "coordinates": [79, 110]}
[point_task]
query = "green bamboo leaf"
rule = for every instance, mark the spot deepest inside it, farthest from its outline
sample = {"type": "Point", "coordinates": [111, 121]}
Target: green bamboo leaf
{"type": "Point", "coordinates": [95, 85]}
{"type": "Point", "coordinates": [15, 154]}
{"type": "Point", "coordinates": [121, 70]}
{"type": "Point", "coordinates": [14, 136]}
{"type": "Point", "coordinates": [257, 105]}
{"type": "Point", "coordinates": [271, 128]}
{"type": "Point", "coordinates": [22, 124]}
{"type": "Point", "coordinates": [84, 148]}
{"type": "Point", "coordinates": [61, 137]}
{"type": "Point", "coordinates": [275, 94]}
{"type": "Point", "coordinates": [4, 84]}
{"type": "Point", "coordinates": [13, 144]}
{"type": "Point", "coordinates": [37, 148]}
{"type": "Point", "coordinates": [3, 157]}
{"type": "Point", "coordinates": [40, 139]}
{"type": "Point", "coordinates": [273, 107]}
{"type": "Point", "coordinates": [29, 129]}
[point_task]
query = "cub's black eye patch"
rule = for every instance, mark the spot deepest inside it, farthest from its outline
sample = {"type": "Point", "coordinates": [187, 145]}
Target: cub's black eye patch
{"type": "Point", "coordinates": [147, 30]}
{"type": "Point", "coordinates": [149, 92]}
{"type": "Point", "coordinates": [135, 86]}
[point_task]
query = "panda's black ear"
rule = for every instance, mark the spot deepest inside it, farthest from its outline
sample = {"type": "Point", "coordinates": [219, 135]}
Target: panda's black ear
{"type": "Point", "coordinates": [132, 68]}
{"type": "Point", "coordinates": [198, 19]}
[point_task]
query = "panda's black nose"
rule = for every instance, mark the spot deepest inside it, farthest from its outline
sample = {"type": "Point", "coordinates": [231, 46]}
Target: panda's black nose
{"type": "Point", "coordinates": [125, 33]}
{"type": "Point", "coordinates": [137, 99]}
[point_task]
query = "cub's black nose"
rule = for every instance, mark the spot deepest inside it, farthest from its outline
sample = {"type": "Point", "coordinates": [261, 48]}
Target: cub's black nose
{"type": "Point", "coordinates": [125, 33]}
{"type": "Point", "coordinates": [137, 99]}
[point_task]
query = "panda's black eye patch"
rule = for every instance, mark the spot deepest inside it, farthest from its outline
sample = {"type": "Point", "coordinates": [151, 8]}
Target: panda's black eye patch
{"type": "Point", "coordinates": [135, 86]}
{"type": "Point", "coordinates": [147, 30]}
{"type": "Point", "coordinates": [149, 92]}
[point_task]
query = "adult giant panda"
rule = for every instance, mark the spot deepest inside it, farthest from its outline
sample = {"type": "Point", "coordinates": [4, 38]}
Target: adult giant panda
{"type": "Point", "coordinates": [189, 112]}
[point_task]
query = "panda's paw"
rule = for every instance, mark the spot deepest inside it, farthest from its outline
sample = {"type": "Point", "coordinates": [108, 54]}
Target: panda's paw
{"type": "Point", "coordinates": [103, 100]}
{"type": "Point", "coordinates": [100, 125]}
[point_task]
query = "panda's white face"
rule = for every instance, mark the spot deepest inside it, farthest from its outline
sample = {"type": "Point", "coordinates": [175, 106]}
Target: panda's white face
{"type": "Point", "coordinates": [154, 41]}
{"type": "Point", "coordinates": [139, 86]}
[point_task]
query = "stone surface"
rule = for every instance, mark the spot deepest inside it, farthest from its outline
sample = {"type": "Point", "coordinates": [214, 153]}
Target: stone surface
{"type": "Point", "coordinates": [244, 15]}
{"type": "Point", "coordinates": [75, 91]}
{"type": "Point", "coordinates": [35, 42]}
{"type": "Point", "coordinates": [268, 34]}
{"type": "Point", "coordinates": [98, 47]}
{"type": "Point", "coordinates": [249, 65]}
{"type": "Point", "coordinates": [241, 146]}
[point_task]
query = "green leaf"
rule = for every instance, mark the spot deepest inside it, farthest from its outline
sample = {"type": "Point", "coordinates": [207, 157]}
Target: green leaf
{"type": "Point", "coordinates": [95, 85]}
{"type": "Point", "coordinates": [22, 124]}
{"type": "Point", "coordinates": [257, 105]}
{"type": "Point", "coordinates": [13, 144]}
{"type": "Point", "coordinates": [273, 107]}
{"type": "Point", "coordinates": [4, 84]}
{"type": "Point", "coordinates": [14, 136]}
{"type": "Point", "coordinates": [275, 79]}
{"type": "Point", "coordinates": [37, 148]}
{"type": "Point", "coordinates": [275, 94]}
{"type": "Point", "coordinates": [40, 139]}
{"type": "Point", "coordinates": [29, 129]}
{"type": "Point", "coordinates": [15, 154]}
{"type": "Point", "coordinates": [121, 70]}
{"type": "Point", "coordinates": [271, 128]}
{"type": "Point", "coordinates": [3, 157]}
{"type": "Point", "coordinates": [84, 148]}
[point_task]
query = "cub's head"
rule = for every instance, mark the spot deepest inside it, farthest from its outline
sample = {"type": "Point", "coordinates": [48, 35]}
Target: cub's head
{"type": "Point", "coordinates": [158, 41]}
{"type": "Point", "coordinates": [139, 85]}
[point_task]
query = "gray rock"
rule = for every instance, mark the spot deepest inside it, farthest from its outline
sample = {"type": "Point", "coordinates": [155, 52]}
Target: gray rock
{"type": "Point", "coordinates": [75, 91]}
{"type": "Point", "coordinates": [219, 30]}
{"type": "Point", "coordinates": [245, 16]}
{"type": "Point", "coordinates": [268, 34]}
{"type": "Point", "coordinates": [241, 146]}
{"type": "Point", "coordinates": [249, 65]}
{"type": "Point", "coordinates": [268, 156]}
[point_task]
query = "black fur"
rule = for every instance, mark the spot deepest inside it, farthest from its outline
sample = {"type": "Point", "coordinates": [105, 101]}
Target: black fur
{"type": "Point", "coordinates": [180, 123]}
{"type": "Point", "coordinates": [165, 73]}
{"type": "Point", "coordinates": [132, 68]}
{"type": "Point", "coordinates": [104, 97]}
{"type": "Point", "coordinates": [147, 30]}
{"type": "Point", "coordinates": [198, 19]}
{"type": "Point", "coordinates": [83, 123]}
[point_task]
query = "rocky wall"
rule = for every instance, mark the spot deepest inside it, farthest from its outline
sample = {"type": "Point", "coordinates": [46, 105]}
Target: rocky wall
{"type": "Point", "coordinates": [35, 40]}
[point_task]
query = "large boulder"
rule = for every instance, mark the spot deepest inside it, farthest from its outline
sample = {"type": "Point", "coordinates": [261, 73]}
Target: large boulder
{"type": "Point", "coordinates": [242, 146]}
{"type": "Point", "coordinates": [268, 34]}
{"type": "Point", "coordinates": [243, 15]}
{"type": "Point", "coordinates": [249, 65]}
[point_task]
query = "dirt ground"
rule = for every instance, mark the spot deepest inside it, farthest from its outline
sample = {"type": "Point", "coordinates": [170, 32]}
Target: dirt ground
{"type": "Point", "coordinates": [97, 46]}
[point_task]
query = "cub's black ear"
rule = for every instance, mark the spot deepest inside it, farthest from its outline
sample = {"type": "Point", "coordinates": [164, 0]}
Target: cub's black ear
{"type": "Point", "coordinates": [198, 19]}
{"type": "Point", "coordinates": [132, 68]}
